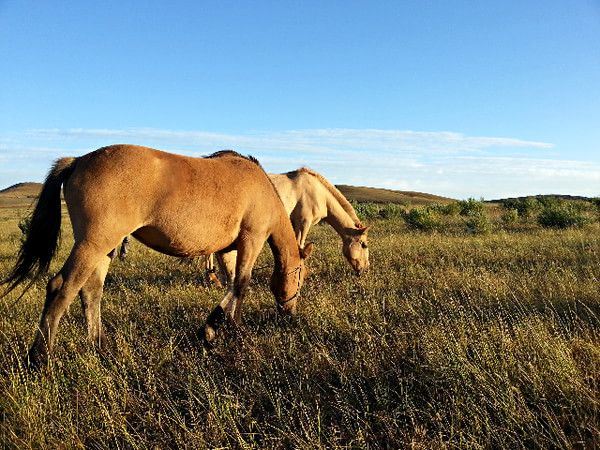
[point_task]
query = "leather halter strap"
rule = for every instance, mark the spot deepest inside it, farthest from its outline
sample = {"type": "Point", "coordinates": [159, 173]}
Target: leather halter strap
{"type": "Point", "coordinates": [293, 297]}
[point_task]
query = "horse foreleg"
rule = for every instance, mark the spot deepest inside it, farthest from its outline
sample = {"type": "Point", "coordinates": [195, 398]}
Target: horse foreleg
{"type": "Point", "coordinates": [218, 316]}
{"type": "Point", "coordinates": [215, 319]}
{"type": "Point", "coordinates": [91, 295]}
{"type": "Point", "coordinates": [246, 257]}
{"type": "Point", "coordinates": [231, 306]}
{"type": "Point", "coordinates": [60, 292]}
{"type": "Point", "coordinates": [302, 232]}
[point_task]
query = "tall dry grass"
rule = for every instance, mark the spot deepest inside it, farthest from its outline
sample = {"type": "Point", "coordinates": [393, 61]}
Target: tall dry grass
{"type": "Point", "coordinates": [450, 341]}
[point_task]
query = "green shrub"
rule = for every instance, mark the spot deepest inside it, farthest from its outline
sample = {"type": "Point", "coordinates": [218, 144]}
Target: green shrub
{"type": "Point", "coordinates": [470, 207]}
{"type": "Point", "coordinates": [423, 219]}
{"type": "Point", "coordinates": [366, 211]}
{"type": "Point", "coordinates": [549, 201]}
{"type": "Point", "coordinates": [451, 209]}
{"type": "Point", "coordinates": [391, 211]}
{"type": "Point", "coordinates": [478, 224]}
{"type": "Point", "coordinates": [24, 226]}
{"type": "Point", "coordinates": [562, 215]}
{"type": "Point", "coordinates": [510, 217]}
{"type": "Point", "coordinates": [369, 211]}
{"type": "Point", "coordinates": [526, 207]}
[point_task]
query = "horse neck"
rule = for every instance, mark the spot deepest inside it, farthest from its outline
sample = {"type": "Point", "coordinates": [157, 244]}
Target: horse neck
{"type": "Point", "coordinates": [284, 246]}
{"type": "Point", "coordinates": [337, 217]}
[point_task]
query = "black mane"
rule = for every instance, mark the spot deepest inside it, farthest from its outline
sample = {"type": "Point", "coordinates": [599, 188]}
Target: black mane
{"type": "Point", "coordinates": [221, 153]}
{"type": "Point", "coordinates": [249, 158]}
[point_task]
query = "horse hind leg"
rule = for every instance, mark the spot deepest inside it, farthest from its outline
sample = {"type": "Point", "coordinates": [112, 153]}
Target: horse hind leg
{"type": "Point", "coordinates": [124, 248]}
{"type": "Point", "coordinates": [91, 295]}
{"type": "Point", "coordinates": [227, 262]}
{"type": "Point", "coordinates": [211, 275]}
{"type": "Point", "coordinates": [60, 292]}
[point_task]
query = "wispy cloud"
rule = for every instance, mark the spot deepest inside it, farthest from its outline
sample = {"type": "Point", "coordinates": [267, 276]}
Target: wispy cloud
{"type": "Point", "coordinates": [446, 163]}
{"type": "Point", "coordinates": [312, 140]}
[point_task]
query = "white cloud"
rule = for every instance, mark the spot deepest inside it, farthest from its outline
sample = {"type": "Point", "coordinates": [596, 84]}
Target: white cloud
{"type": "Point", "coordinates": [444, 163]}
{"type": "Point", "coordinates": [312, 141]}
{"type": "Point", "coordinates": [532, 167]}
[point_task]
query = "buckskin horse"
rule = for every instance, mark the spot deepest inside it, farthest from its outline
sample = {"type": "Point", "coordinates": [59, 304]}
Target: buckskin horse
{"type": "Point", "coordinates": [177, 205]}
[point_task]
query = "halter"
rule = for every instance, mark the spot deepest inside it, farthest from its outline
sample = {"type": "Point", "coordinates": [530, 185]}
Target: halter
{"type": "Point", "coordinates": [293, 297]}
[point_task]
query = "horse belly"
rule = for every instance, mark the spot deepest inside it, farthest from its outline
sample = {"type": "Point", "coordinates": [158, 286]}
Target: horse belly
{"type": "Point", "coordinates": [184, 241]}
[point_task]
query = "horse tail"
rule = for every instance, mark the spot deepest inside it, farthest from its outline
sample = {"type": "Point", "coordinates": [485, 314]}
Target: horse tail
{"type": "Point", "coordinates": [42, 236]}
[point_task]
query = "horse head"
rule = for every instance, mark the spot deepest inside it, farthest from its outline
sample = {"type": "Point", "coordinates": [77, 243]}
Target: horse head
{"type": "Point", "coordinates": [286, 285]}
{"type": "Point", "coordinates": [356, 249]}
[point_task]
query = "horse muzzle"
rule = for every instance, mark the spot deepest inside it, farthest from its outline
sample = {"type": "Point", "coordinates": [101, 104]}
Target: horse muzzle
{"type": "Point", "coordinates": [359, 272]}
{"type": "Point", "coordinates": [287, 307]}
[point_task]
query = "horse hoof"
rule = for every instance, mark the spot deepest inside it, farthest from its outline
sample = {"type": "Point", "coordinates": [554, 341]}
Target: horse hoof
{"type": "Point", "coordinates": [103, 347]}
{"type": "Point", "coordinates": [215, 319]}
{"type": "Point", "coordinates": [286, 310]}
{"type": "Point", "coordinates": [35, 361]}
{"type": "Point", "coordinates": [213, 279]}
{"type": "Point", "coordinates": [209, 336]}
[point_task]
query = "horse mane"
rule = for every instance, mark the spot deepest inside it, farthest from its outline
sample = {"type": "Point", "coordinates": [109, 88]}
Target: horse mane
{"type": "Point", "coordinates": [343, 201]}
{"type": "Point", "coordinates": [221, 153]}
{"type": "Point", "coordinates": [250, 158]}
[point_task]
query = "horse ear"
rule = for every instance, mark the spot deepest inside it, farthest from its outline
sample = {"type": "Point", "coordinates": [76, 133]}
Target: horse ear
{"type": "Point", "coordinates": [363, 230]}
{"type": "Point", "coordinates": [307, 250]}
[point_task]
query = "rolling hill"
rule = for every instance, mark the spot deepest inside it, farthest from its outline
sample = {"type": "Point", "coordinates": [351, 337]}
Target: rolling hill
{"type": "Point", "coordinates": [379, 195]}
{"type": "Point", "coordinates": [20, 195]}
{"type": "Point", "coordinates": [23, 194]}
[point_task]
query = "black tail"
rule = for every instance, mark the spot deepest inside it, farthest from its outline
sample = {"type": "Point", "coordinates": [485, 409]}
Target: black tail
{"type": "Point", "coordinates": [41, 240]}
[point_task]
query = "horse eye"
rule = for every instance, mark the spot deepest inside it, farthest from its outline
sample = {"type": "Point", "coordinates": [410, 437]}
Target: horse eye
{"type": "Point", "coordinates": [363, 244]}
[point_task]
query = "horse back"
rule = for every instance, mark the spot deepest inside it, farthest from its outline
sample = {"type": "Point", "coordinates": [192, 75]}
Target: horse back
{"type": "Point", "coordinates": [303, 196]}
{"type": "Point", "coordinates": [180, 204]}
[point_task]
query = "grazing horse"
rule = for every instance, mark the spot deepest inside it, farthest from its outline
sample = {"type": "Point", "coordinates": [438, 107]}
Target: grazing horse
{"type": "Point", "coordinates": [177, 205]}
{"type": "Point", "coordinates": [309, 198]}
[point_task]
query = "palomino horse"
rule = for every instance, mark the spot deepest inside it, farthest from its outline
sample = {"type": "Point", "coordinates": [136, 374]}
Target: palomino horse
{"type": "Point", "coordinates": [309, 198]}
{"type": "Point", "coordinates": [178, 205]}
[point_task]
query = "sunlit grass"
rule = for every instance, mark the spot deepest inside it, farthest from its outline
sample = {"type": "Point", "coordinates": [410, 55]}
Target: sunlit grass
{"type": "Point", "coordinates": [450, 341]}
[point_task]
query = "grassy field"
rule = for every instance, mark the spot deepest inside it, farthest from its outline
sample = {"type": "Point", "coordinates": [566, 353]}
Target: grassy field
{"type": "Point", "coordinates": [452, 340]}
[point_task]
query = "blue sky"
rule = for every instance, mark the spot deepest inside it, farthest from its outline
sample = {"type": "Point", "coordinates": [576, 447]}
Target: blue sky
{"type": "Point", "coordinates": [458, 98]}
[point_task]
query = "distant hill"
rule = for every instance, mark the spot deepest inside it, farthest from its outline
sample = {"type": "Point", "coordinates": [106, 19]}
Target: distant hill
{"type": "Point", "coordinates": [539, 197]}
{"type": "Point", "coordinates": [23, 195]}
{"type": "Point", "coordinates": [379, 195]}
{"type": "Point", "coordinates": [20, 195]}
{"type": "Point", "coordinates": [22, 190]}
